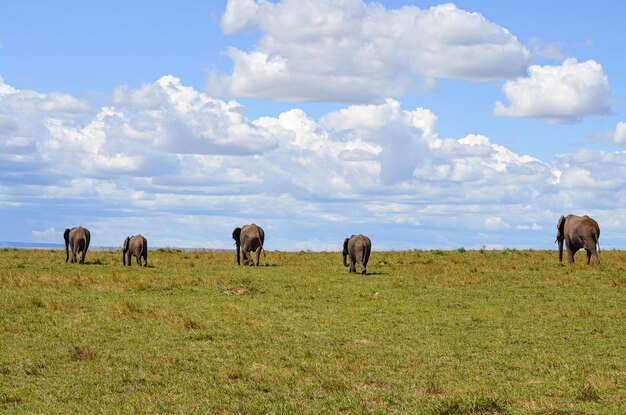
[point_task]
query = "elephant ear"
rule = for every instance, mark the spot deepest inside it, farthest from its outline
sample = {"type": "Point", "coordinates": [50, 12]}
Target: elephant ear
{"type": "Point", "coordinates": [126, 241]}
{"type": "Point", "coordinates": [66, 236]}
{"type": "Point", "coordinates": [345, 245]}
{"type": "Point", "coordinates": [237, 235]}
{"type": "Point", "coordinates": [560, 228]}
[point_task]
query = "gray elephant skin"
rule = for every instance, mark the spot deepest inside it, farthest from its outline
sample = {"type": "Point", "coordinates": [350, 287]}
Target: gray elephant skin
{"type": "Point", "coordinates": [578, 232]}
{"type": "Point", "coordinates": [358, 248]}
{"type": "Point", "coordinates": [248, 239]}
{"type": "Point", "coordinates": [136, 246]}
{"type": "Point", "coordinates": [77, 239]}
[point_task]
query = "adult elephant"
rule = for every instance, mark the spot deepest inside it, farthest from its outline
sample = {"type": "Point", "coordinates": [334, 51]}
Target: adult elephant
{"type": "Point", "coordinates": [358, 247]}
{"type": "Point", "coordinates": [78, 239]}
{"type": "Point", "coordinates": [248, 239]}
{"type": "Point", "coordinates": [578, 232]}
{"type": "Point", "coordinates": [135, 246]}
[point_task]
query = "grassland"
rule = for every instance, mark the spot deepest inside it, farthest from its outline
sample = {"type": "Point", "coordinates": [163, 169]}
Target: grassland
{"type": "Point", "coordinates": [436, 332]}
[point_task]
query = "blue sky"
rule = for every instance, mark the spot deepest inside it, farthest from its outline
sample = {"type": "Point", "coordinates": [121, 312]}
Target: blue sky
{"type": "Point", "coordinates": [419, 123]}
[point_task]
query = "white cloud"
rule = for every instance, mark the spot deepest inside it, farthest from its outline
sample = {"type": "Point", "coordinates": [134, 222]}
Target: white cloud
{"type": "Point", "coordinates": [24, 116]}
{"type": "Point", "coordinates": [239, 14]}
{"type": "Point", "coordinates": [592, 171]}
{"type": "Point", "coordinates": [532, 227]}
{"type": "Point", "coordinates": [559, 94]}
{"type": "Point", "coordinates": [550, 50]}
{"type": "Point", "coordinates": [353, 51]}
{"type": "Point", "coordinates": [619, 137]}
{"type": "Point", "coordinates": [363, 168]}
{"type": "Point", "coordinates": [179, 119]}
{"type": "Point", "coordinates": [495, 222]}
{"type": "Point", "coordinates": [47, 235]}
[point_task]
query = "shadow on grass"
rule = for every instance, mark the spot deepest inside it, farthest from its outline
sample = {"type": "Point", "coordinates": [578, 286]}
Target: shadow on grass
{"type": "Point", "coordinates": [95, 262]}
{"type": "Point", "coordinates": [475, 406]}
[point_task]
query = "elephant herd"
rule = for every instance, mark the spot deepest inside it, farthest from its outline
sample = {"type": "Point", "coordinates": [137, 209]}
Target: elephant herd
{"type": "Point", "coordinates": [249, 239]}
{"type": "Point", "coordinates": [576, 232]}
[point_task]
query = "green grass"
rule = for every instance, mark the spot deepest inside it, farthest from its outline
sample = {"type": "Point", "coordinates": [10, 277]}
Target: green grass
{"type": "Point", "coordinates": [436, 332]}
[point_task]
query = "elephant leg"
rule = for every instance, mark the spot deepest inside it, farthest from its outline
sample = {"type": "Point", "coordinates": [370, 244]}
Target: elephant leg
{"type": "Point", "coordinates": [138, 260]}
{"type": "Point", "coordinates": [570, 255]}
{"type": "Point", "coordinates": [247, 258]}
{"type": "Point", "coordinates": [363, 261]}
{"type": "Point", "coordinates": [352, 266]}
{"type": "Point", "coordinates": [258, 255]}
{"type": "Point", "coordinates": [145, 259]}
{"type": "Point", "coordinates": [591, 252]}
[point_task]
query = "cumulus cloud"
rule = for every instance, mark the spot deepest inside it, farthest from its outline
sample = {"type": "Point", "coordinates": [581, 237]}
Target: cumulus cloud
{"type": "Point", "coordinates": [532, 227]}
{"type": "Point", "coordinates": [352, 51]}
{"type": "Point", "coordinates": [145, 132]}
{"type": "Point", "coordinates": [376, 167]}
{"type": "Point", "coordinates": [592, 171]}
{"type": "Point", "coordinates": [550, 50]}
{"type": "Point", "coordinates": [619, 137]}
{"type": "Point", "coordinates": [24, 117]}
{"type": "Point", "coordinates": [179, 119]}
{"type": "Point", "coordinates": [559, 94]}
{"type": "Point", "coordinates": [495, 222]}
{"type": "Point", "coordinates": [48, 235]}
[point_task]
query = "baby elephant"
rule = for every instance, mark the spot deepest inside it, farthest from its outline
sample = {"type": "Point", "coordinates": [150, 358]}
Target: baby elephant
{"type": "Point", "coordinates": [359, 248]}
{"type": "Point", "coordinates": [137, 246]}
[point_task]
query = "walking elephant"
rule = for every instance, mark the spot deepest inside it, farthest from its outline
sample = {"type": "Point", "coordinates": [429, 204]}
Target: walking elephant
{"type": "Point", "coordinates": [135, 246]}
{"type": "Point", "coordinates": [578, 232]}
{"type": "Point", "coordinates": [358, 247]}
{"type": "Point", "coordinates": [78, 240]}
{"type": "Point", "coordinates": [248, 239]}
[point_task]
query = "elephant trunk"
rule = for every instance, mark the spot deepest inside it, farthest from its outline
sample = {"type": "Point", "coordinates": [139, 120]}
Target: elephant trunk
{"type": "Point", "coordinates": [66, 236]}
{"type": "Point", "coordinates": [560, 241]}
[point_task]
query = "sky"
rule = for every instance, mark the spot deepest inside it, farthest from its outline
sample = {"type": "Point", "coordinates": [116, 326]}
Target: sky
{"type": "Point", "coordinates": [422, 124]}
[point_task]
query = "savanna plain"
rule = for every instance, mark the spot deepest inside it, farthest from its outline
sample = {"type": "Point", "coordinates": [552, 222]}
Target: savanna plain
{"type": "Point", "coordinates": [425, 332]}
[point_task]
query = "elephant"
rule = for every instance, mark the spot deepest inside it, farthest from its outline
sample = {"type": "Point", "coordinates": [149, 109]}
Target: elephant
{"type": "Point", "coordinates": [358, 247]}
{"type": "Point", "coordinates": [249, 238]}
{"type": "Point", "coordinates": [578, 232]}
{"type": "Point", "coordinates": [138, 246]}
{"type": "Point", "coordinates": [78, 239]}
